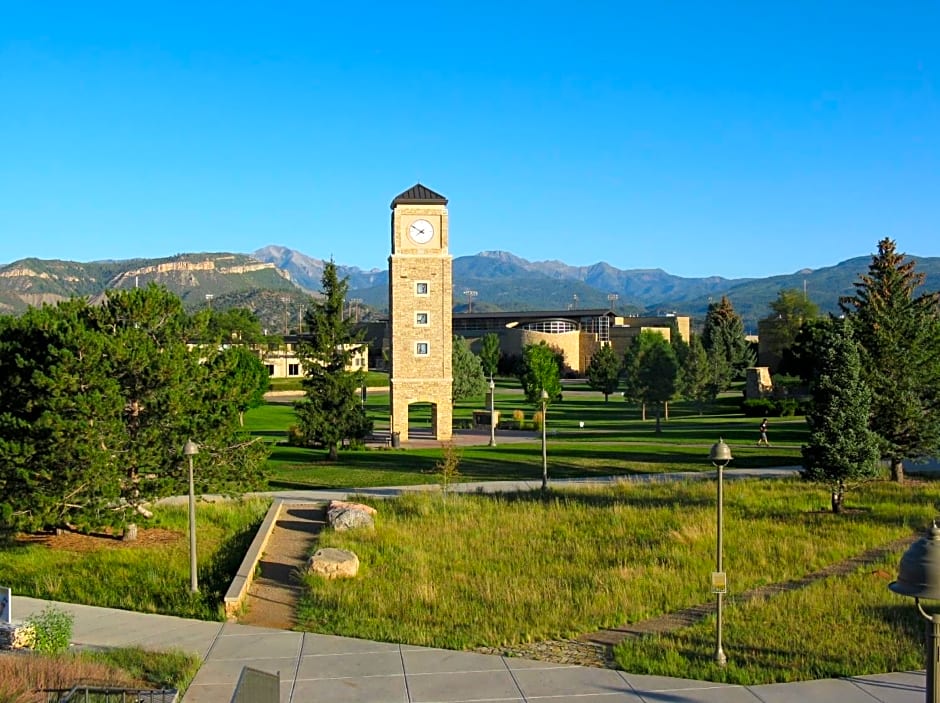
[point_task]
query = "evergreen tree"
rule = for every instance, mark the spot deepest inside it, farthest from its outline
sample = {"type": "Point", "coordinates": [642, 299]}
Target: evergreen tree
{"type": "Point", "coordinates": [331, 410]}
{"type": "Point", "coordinates": [841, 447]}
{"type": "Point", "coordinates": [489, 353]}
{"type": "Point", "coordinates": [101, 401]}
{"type": "Point", "coordinates": [169, 396]}
{"type": "Point", "coordinates": [468, 379]}
{"type": "Point", "coordinates": [60, 411]}
{"type": "Point", "coordinates": [696, 381]}
{"type": "Point", "coordinates": [899, 334]}
{"type": "Point", "coordinates": [723, 337]}
{"type": "Point", "coordinates": [603, 371]}
{"type": "Point", "coordinates": [540, 371]}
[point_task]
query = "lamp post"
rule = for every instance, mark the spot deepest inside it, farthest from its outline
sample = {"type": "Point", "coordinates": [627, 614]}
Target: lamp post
{"type": "Point", "coordinates": [919, 577]}
{"type": "Point", "coordinates": [190, 449]}
{"type": "Point", "coordinates": [492, 412]}
{"type": "Point", "coordinates": [544, 449]}
{"type": "Point", "coordinates": [612, 298]}
{"type": "Point", "coordinates": [720, 456]}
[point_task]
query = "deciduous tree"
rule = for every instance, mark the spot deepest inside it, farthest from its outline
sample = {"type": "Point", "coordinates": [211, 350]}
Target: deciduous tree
{"type": "Point", "coordinates": [540, 371]}
{"type": "Point", "coordinates": [603, 371]}
{"type": "Point", "coordinates": [489, 353]}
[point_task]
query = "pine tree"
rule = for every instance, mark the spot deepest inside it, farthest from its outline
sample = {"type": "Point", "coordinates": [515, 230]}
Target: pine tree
{"type": "Point", "coordinates": [724, 340]}
{"type": "Point", "coordinates": [469, 381]}
{"type": "Point", "coordinates": [331, 410]}
{"type": "Point", "coordinates": [696, 380]}
{"type": "Point", "coordinates": [899, 334]}
{"type": "Point", "coordinates": [603, 371]}
{"type": "Point", "coordinates": [841, 447]}
{"type": "Point", "coordinates": [60, 412]}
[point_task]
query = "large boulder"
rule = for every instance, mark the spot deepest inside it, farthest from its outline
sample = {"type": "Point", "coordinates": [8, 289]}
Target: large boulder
{"type": "Point", "coordinates": [348, 516]}
{"type": "Point", "coordinates": [332, 563]}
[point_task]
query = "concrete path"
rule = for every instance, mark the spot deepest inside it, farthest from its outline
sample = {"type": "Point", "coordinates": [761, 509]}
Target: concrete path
{"type": "Point", "coordinates": [342, 670]}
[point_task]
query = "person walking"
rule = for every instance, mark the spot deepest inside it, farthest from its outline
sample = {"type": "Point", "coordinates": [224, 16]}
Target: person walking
{"type": "Point", "coordinates": [763, 434]}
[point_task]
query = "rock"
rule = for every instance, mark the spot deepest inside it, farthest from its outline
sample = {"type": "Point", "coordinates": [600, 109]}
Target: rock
{"type": "Point", "coordinates": [333, 563]}
{"type": "Point", "coordinates": [17, 636]}
{"type": "Point", "coordinates": [356, 506]}
{"type": "Point", "coordinates": [349, 519]}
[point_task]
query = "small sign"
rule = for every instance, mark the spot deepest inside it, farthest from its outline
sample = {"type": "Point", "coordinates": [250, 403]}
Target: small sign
{"type": "Point", "coordinates": [6, 605]}
{"type": "Point", "coordinates": [719, 582]}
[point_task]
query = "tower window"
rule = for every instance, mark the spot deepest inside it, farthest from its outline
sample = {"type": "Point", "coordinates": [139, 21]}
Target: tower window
{"type": "Point", "coordinates": [421, 288]}
{"type": "Point", "coordinates": [422, 348]}
{"type": "Point", "coordinates": [421, 318]}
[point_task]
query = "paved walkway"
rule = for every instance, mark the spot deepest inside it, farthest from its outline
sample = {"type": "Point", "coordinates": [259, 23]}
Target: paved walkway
{"type": "Point", "coordinates": [316, 667]}
{"type": "Point", "coordinates": [342, 670]}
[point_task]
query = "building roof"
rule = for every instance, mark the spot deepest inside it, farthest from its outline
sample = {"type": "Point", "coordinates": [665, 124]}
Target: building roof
{"type": "Point", "coordinates": [419, 195]}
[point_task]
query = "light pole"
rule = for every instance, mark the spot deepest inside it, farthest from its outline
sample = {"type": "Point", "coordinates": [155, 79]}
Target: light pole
{"type": "Point", "coordinates": [190, 449]}
{"type": "Point", "coordinates": [919, 577]}
{"type": "Point", "coordinates": [720, 456]}
{"type": "Point", "coordinates": [286, 302]}
{"type": "Point", "coordinates": [544, 449]}
{"type": "Point", "coordinates": [209, 298]}
{"type": "Point", "coordinates": [356, 302]}
{"type": "Point", "coordinates": [492, 412]}
{"type": "Point", "coordinates": [612, 298]}
{"type": "Point", "coordinates": [471, 294]}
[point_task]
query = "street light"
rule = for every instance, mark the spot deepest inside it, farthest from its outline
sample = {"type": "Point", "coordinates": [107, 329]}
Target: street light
{"type": "Point", "coordinates": [544, 450]}
{"type": "Point", "coordinates": [720, 456]}
{"type": "Point", "coordinates": [612, 298]}
{"type": "Point", "coordinates": [492, 413]}
{"type": "Point", "coordinates": [190, 449]}
{"type": "Point", "coordinates": [919, 577]}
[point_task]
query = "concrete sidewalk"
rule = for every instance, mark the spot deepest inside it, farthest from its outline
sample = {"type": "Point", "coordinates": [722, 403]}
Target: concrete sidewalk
{"type": "Point", "coordinates": [342, 670]}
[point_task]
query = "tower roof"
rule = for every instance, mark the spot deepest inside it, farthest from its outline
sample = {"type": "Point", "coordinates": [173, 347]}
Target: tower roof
{"type": "Point", "coordinates": [419, 195]}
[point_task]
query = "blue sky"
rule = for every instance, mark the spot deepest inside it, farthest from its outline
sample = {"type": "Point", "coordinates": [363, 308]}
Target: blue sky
{"type": "Point", "coordinates": [735, 139]}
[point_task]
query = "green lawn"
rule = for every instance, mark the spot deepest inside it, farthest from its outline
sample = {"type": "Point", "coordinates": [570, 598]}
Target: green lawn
{"type": "Point", "coordinates": [614, 441]}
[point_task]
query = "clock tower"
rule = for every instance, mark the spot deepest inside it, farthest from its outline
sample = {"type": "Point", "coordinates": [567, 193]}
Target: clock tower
{"type": "Point", "coordinates": [420, 304]}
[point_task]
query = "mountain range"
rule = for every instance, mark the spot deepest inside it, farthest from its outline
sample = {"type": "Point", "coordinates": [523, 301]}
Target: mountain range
{"type": "Point", "coordinates": [277, 283]}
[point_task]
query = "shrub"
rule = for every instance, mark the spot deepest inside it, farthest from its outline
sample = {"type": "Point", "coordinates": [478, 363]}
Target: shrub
{"type": "Point", "coordinates": [537, 419]}
{"type": "Point", "coordinates": [759, 407]}
{"type": "Point", "coordinates": [518, 415]}
{"type": "Point", "coordinates": [787, 407]}
{"type": "Point", "coordinates": [53, 630]}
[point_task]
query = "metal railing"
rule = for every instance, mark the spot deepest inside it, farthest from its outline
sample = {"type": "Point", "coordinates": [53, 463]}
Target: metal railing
{"type": "Point", "coordinates": [82, 693]}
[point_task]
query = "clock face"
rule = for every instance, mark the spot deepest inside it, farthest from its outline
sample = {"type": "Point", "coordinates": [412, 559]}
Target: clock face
{"type": "Point", "coordinates": [420, 231]}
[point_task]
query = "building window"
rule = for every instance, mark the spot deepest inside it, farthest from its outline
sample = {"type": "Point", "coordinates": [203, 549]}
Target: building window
{"type": "Point", "coordinates": [293, 369]}
{"type": "Point", "coordinates": [421, 318]}
{"type": "Point", "coordinates": [422, 348]}
{"type": "Point", "coordinates": [270, 368]}
{"type": "Point", "coordinates": [421, 288]}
